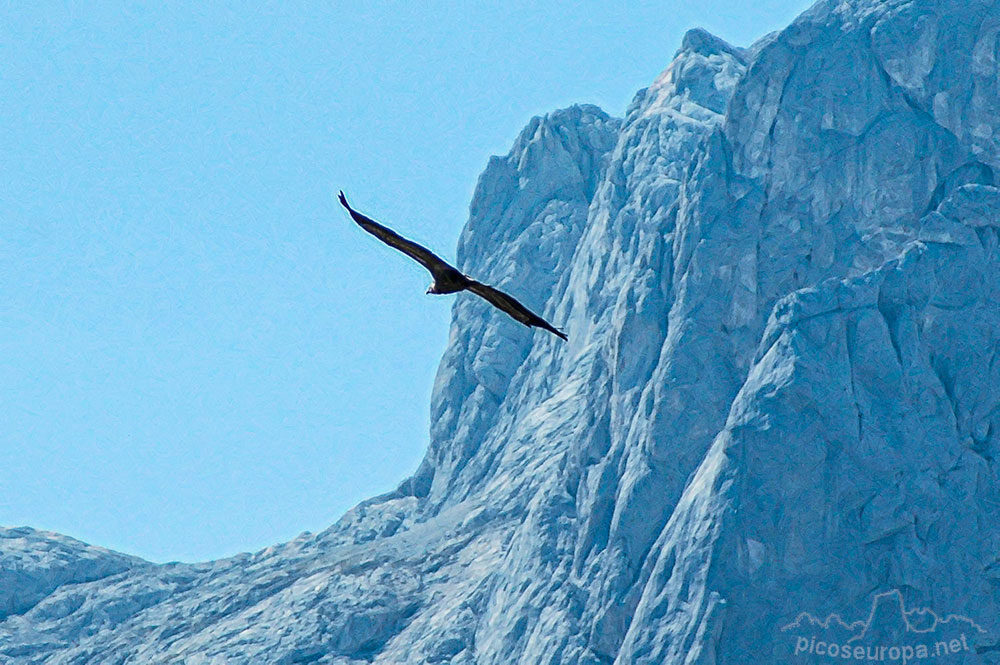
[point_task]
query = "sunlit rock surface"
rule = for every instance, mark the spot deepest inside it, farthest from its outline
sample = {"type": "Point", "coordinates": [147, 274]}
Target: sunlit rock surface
{"type": "Point", "coordinates": [775, 423]}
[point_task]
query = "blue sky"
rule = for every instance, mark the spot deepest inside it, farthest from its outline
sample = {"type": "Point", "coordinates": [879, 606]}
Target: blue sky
{"type": "Point", "coordinates": [199, 354]}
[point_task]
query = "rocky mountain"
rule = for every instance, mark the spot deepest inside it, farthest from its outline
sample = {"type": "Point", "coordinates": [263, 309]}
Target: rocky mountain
{"type": "Point", "coordinates": [780, 399]}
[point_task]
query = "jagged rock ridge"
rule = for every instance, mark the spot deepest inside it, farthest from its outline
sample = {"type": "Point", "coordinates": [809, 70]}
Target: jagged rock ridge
{"type": "Point", "coordinates": [780, 276]}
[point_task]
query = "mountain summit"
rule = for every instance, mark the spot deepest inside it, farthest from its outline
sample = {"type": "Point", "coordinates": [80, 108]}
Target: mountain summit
{"type": "Point", "coordinates": [780, 394]}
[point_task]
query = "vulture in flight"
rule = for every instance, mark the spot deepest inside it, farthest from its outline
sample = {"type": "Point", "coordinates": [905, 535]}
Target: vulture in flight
{"type": "Point", "coordinates": [447, 279]}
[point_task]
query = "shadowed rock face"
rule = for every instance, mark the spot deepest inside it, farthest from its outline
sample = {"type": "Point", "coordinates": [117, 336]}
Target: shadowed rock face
{"type": "Point", "coordinates": [780, 274]}
{"type": "Point", "coordinates": [33, 564]}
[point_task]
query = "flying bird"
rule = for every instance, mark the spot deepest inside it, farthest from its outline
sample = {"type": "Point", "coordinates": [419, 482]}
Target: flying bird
{"type": "Point", "coordinates": [447, 279]}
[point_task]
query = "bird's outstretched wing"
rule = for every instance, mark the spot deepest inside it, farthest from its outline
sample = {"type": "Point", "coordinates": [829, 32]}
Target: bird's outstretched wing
{"type": "Point", "coordinates": [428, 259]}
{"type": "Point", "coordinates": [508, 304]}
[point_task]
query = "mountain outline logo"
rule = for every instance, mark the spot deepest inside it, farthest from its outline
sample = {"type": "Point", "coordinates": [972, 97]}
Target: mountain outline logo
{"type": "Point", "coordinates": [922, 614]}
{"type": "Point", "coordinates": [891, 632]}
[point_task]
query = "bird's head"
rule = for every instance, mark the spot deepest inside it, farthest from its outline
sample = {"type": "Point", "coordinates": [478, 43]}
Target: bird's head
{"type": "Point", "coordinates": [432, 289]}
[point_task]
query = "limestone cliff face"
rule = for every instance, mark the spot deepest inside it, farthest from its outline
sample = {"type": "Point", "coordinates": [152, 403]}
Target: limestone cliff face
{"type": "Point", "coordinates": [33, 564]}
{"type": "Point", "coordinates": [780, 399]}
